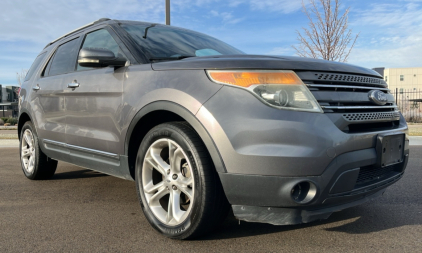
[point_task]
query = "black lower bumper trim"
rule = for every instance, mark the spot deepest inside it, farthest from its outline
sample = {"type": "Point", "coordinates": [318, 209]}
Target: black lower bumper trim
{"type": "Point", "coordinates": [291, 216]}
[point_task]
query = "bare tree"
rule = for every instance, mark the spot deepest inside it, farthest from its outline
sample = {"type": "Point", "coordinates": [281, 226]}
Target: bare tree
{"type": "Point", "coordinates": [328, 36]}
{"type": "Point", "coordinates": [20, 77]}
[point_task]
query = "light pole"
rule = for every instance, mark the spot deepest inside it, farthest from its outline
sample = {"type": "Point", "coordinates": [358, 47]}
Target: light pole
{"type": "Point", "coordinates": [167, 12]}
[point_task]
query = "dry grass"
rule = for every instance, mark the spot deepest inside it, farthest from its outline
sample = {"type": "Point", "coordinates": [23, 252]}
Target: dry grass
{"type": "Point", "coordinates": [415, 129]}
{"type": "Point", "coordinates": [9, 136]}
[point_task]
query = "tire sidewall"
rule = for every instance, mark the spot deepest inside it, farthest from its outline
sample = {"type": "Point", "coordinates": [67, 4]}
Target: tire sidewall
{"type": "Point", "coordinates": [30, 126]}
{"type": "Point", "coordinates": [186, 227]}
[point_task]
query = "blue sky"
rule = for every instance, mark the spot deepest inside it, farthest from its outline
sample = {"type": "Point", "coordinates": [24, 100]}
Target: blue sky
{"type": "Point", "coordinates": [390, 31]}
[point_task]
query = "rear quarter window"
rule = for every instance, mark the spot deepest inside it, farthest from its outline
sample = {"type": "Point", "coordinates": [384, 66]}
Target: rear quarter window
{"type": "Point", "coordinates": [34, 66]}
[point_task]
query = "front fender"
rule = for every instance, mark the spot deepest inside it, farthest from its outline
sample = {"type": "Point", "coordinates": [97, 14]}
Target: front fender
{"type": "Point", "coordinates": [188, 116]}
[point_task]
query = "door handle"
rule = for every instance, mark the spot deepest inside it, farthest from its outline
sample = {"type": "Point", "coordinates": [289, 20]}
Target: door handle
{"type": "Point", "coordinates": [36, 88]}
{"type": "Point", "coordinates": [73, 85]}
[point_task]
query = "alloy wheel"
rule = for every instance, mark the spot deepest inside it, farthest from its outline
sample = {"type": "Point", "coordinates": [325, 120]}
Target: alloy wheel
{"type": "Point", "coordinates": [28, 151]}
{"type": "Point", "coordinates": [167, 182]}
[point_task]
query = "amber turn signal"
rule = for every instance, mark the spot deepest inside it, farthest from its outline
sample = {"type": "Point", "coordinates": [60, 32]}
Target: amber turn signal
{"type": "Point", "coordinates": [246, 79]}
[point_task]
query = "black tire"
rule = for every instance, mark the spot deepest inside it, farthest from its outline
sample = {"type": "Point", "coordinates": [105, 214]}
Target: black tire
{"type": "Point", "coordinates": [210, 205]}
{"type": "Point", "coordinates": [43, 167]}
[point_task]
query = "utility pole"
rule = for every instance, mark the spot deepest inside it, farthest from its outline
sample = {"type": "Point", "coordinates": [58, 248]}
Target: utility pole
{"type": "Point", "coordinates": [167, 12]}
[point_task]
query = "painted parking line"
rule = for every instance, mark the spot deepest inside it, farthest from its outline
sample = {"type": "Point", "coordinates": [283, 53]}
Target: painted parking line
{"type": "Point", "coordinates": [7, 143]}
{"type": "Point", "coordinates": [415, 140]}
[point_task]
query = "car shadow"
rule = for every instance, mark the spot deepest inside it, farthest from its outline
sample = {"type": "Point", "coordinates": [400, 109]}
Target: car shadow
{"type": "Point", "coordinates": [232, 228]}
{"type": "Point", "coordinates": [369, 219]}
{"type": "Point", "coordinates": [78, 174]}
{"type": "Point", "coordinates": [355, 220]}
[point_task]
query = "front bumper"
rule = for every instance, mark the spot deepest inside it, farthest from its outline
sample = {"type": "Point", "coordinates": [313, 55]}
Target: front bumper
{"type": "Point", "coordinates": [268, 199]}
{"type": "Point", "coordinates": [337, 185]}
{"type": "Point", "coordinates": [267, 151]}
{"type": "Point", "coordinates": [292, 216]}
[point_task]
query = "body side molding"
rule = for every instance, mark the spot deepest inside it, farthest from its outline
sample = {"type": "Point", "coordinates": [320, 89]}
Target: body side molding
{"type": "Point", "coordinates": [86, 150]}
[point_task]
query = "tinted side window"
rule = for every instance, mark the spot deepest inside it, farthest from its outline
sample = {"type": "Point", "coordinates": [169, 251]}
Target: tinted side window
{"type": "Point", "coordinates": [101, 39]}
{"type": "Point", "coordinates": [34, 66]}
{"type": "Point", "coordinates": [64, 58]}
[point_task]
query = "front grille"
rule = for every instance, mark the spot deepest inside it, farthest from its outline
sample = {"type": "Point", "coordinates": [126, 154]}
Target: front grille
{"type": "Point", "coordinates": [348, 98]}
{"type": "Point", "coordinates": [371, 174]}
{"type": "Point", "coordinates": [374, 116]}
{"type": "Point", "coordinates": [349, 78]}
{"type": "Point", "coordinates": [372, 127]}
{"type": "Point", "coordinates": [345, 98]}
{"type": "Point", "coordinates": [345, 93]}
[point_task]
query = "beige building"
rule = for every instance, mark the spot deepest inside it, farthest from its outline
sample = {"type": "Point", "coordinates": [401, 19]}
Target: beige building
{"type": "Point", "coordinates": [403, 78]}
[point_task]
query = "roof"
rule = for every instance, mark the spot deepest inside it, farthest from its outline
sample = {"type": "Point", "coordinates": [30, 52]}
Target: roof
{"type": "Point", "coordinates": [78, 29]}
{"type": "Point", "coordinates": [100, 21]}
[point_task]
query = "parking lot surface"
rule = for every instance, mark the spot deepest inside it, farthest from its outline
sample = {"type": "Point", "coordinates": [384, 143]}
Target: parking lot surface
{"type": "Point", "coordinates": [84, 211]}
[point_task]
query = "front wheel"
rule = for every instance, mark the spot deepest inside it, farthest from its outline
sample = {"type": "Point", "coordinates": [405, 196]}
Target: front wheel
{"type": "Point", "coordinates": [177, 185]}
{"type": "Point", "coordinates": [35, 164]}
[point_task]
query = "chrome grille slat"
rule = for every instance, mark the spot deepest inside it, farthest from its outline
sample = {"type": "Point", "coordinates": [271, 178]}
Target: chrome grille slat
{"type": "Point", "coordinates": [345, 87]}
{"type": "Point", "coordinates": [349, 78]}
{"type": "Point", "coordinates": [358, 107]}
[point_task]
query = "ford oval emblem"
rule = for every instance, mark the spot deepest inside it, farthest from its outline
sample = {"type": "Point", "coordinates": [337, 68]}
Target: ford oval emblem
{"type": "Point", "coordinates": [377, 97]}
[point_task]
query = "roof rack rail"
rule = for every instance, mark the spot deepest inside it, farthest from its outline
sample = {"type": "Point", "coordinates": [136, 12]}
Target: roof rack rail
{"type": "Point", "coordinates": [80, 28]}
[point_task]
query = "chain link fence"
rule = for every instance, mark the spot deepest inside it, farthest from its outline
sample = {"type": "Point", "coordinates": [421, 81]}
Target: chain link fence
{"type": "Point", "coordinates": [409, 102]}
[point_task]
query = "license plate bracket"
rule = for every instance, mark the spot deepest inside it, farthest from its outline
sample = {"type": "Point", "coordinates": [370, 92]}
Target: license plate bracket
{"type": "Point", "coordinates": [390, 149]}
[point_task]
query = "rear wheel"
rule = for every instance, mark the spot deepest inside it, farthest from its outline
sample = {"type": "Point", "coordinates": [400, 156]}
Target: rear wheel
{"type": "Point", "coordinates": [35, 164]}
{"type": "Point", "coordinates": [177, 185]}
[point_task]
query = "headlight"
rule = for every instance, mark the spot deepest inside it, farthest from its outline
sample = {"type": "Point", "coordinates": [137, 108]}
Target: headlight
{"type": "Point", "coordinates": [278, 88]}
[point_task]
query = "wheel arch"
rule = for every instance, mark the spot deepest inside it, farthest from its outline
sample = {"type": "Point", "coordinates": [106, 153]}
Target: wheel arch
{"type": "Point", "coordinates": [160, 112]}
{"type": "Point", "coordinates": [23, 117]}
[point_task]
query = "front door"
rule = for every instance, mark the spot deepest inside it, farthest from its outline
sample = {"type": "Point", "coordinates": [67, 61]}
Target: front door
{"type": "Point", "coordinates": [92, 108]}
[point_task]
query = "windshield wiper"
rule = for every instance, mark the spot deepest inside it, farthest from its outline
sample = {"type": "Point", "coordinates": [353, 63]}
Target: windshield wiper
{"type": "Point", "coordinates": [170, 58]}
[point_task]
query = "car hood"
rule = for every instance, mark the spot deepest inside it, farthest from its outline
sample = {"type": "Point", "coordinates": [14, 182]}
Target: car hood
{"type": "Point", "coordinates": [262, 62]}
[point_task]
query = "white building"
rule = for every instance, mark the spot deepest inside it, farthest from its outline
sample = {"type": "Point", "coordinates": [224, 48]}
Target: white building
{"type": "Point", "coordinates": [402, 78]}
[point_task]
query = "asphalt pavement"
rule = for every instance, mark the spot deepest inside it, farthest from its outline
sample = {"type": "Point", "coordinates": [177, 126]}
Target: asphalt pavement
{"type": "Point", "coordinates": [84, 211]}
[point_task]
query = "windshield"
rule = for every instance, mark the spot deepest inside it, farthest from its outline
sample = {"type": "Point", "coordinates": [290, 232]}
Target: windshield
{"type": "Point", "coordinates": [164, 42]}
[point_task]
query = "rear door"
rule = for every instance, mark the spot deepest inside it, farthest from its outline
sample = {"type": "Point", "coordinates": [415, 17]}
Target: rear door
{"type": "Point", "coordinates": [48, 102]}
{"type": "Point", "coordinates": [93, 109]}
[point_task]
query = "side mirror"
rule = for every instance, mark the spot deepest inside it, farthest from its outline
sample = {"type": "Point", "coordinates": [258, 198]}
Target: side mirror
{"type": "Point", "coordinates": [99, 57]}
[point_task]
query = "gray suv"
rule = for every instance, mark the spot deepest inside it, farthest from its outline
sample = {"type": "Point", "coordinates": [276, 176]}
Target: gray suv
{"type": "Point", "coordinates": [203, 128]}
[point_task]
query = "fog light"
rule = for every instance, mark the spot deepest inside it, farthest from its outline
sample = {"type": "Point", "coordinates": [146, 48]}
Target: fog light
{"type": "Point", "coordinates": [303, 192]}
